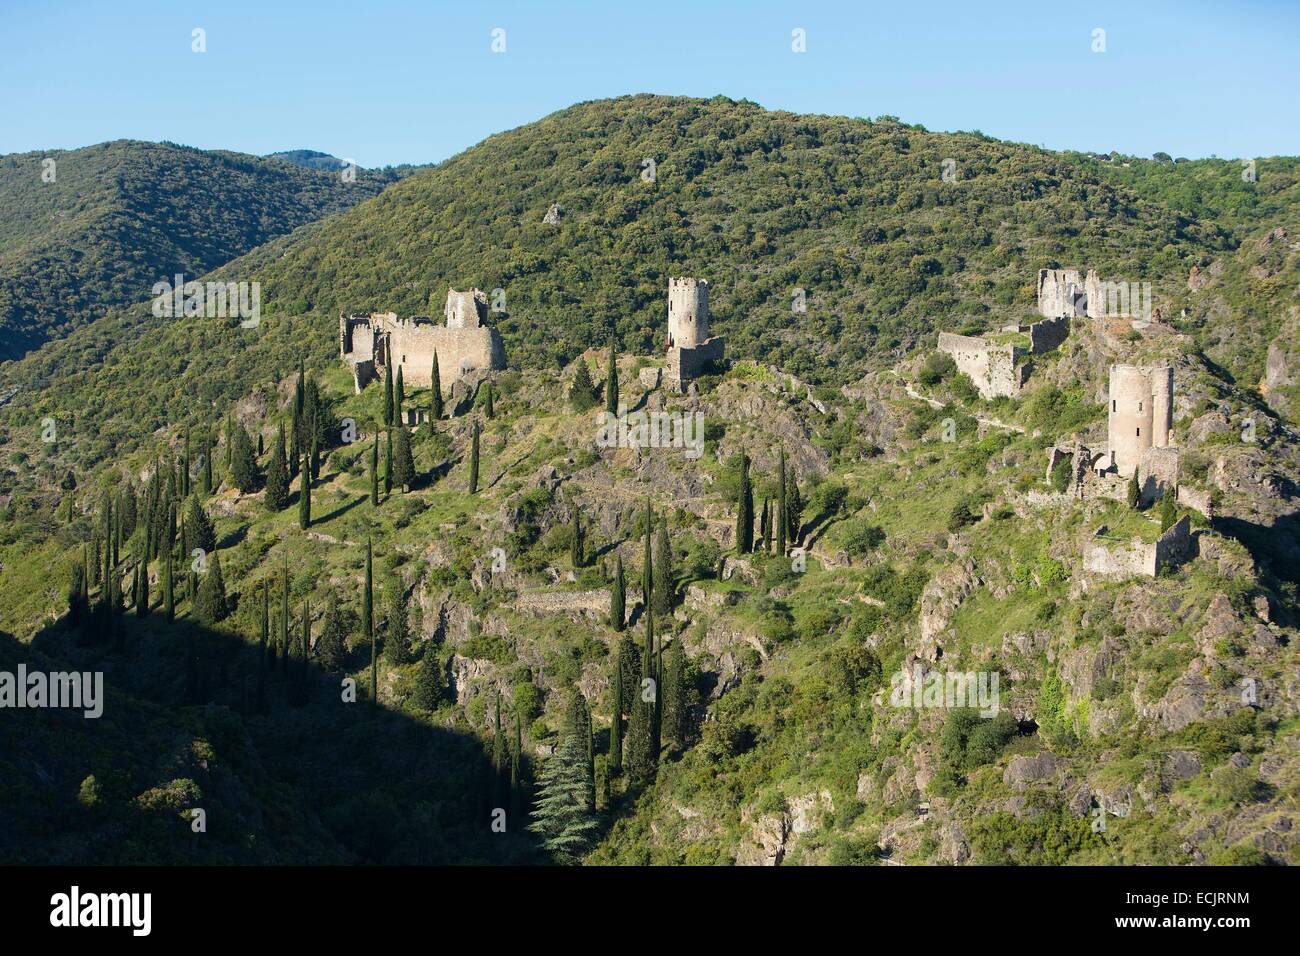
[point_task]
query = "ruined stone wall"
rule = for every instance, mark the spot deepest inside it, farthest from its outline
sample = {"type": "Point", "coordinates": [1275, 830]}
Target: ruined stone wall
{"type": "Point", "coordinates": [1159, 472]}
{"type": "Point", "coordinates": [992, 368]}
{"type": "Point", "coordinates": [1172, 548]}
{"type": "Point", "coordinates": [459, 350]}
{"type": "Point", "coordinates": [1066, 292]}
{"type": "Point", "coordinates": [686, 364]}
{"type": "Point", "coordinates": [1048, 334]}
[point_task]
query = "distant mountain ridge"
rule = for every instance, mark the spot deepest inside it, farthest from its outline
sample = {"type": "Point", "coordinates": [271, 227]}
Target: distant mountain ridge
{"type": "Point", "coordinates": [89, 230]}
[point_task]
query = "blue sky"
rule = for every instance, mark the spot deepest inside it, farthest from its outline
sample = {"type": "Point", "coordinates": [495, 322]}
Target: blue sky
{"type": "Point", "coordinates": [392, 81]}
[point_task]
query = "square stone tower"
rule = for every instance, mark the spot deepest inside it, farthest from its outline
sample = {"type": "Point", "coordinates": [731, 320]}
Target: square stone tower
{"type": "Point", "coordinates": [466, 310]}
{"type": "Point", "coordinates": [1141, 413]}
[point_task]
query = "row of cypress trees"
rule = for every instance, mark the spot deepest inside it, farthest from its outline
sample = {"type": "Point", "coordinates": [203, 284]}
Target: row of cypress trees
{"type": "Point", "coordinates": [777, 530]}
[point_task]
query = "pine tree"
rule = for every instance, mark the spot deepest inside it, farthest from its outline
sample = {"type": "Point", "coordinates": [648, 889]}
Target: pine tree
{"type": "Point", "coordinates": [435, 392]}
{"type": "Point", "coordinates": [576, 554]}
{"type": "Point", "coordinates": [473, 462]}
{"type": "Point", "coordinates": [368, 626]}
{"type": "Point", "coordinates": [403, 461]}
{"type": "Point", "coordinates": [388, 395]}
{"type": "Point", "coordinates": [388, 463]}
{"type": "Point", "coordinates": [745, 510]}
{"type": "Point", "coordinates": [561, 817]}
{"type": "Point", "coordinates": [582, 393]}
{"type": "Point", "coordinates": [210, 605]}
{"type": "Point", "coordinates": [374, 472]}
{"type": "Point", "coordinates": [277, 475]}
{"type": "Point", "coordinates": [333, 644]}
{"type": "Point", "coordinates": [782, 516]}
{"type": "Point", "coordinates": [243, 462]}
{"type": "Point", "coordinates": [399, 398]}
{"type": "Point", "coordinates": [618, 601]}
{"type": "Point", "coordinates": [429, 685]}
{"type": "Point", "coordinates": [1134, 490]}
{"type": "Point", "coordinates": [199, 526]}
{"type": "Point", "coordinates": [611, 380]}
{"type": "Point", "coordinates": [664, 592]}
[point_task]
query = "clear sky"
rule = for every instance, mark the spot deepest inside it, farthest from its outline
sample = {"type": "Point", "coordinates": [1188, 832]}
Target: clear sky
{"type": "Point", "coordinates": [393, 81]}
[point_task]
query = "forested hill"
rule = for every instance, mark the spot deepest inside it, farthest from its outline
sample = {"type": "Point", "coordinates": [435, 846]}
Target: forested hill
{"type": "Point", "coordinates": [855, 212]}
{"type": "Point", "coordinates": [89, 230]}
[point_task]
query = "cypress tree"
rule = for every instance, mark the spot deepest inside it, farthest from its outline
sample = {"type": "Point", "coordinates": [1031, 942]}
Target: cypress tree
{"type": "Point", "coordinates": [388, 395]}
{"type": "Point", "coordinates": [142, 601]}
{"type": "Point", "coordinates": [618, 601]}
{"type": "Point", "coordinates": [500, 757]}
{"type": "Point", "coordinates": [388, 463]}
{"type": "Point", "coordinates": [243, 462]}
{"type": "Point", "coordinates": [663, 574]}
{"type": "Point", "coordinates": [629, 656]}
{"type": "Point", "coordinates": [793, 506]}
{"type": "Point", "coordinates": [403, 461]}
{"type": "Point", "coordinates": [1134, 490]}
{"type": "Point", "coordinates": [473, 462]}
{"type": "Point", "coordinates": [745, 510]}
{"type": "Point", "coordinates": [765, 524]}
{"type": "Point", "coordinates": [374, 472]}
{"type": "Point", "coordinates": [1168, 510]}
{"type": "Point", "coordinates": [185, 467]}
{"type": "Point", "coordinates": [435, 392]}
{"type": "Point", "coordinates": [399, 398]}
{"type": "Point", "coordinates": [675, 696]}
{"type": "Point", "coordinates": [284, 619]}
{"type": "Point", "coordinates": [641, 755]}
{"type": "Point", "coordinates": [647, 567]}
{"type": "Point", "coordinates": [168, 584]}
{"type": "Point", "coordinates": [266, 624]}
{"type": "Point", "coordinates": [277, 475]}
{"type": "Point", "coordinates": [489, 410]}
{"type": "Point", "coordinates": [135, 586]}
{"type": "Point", "coordinates": [611, 380]}
{"type": "Point", "coordinates": [516, 775]}
{"type": "Point", "coordinates": [302, 684]}
{"type": "Point", "coordinates": [614, 764]}
{"type": "Point", "coordinates": [782, 516]}
{"type": "Point", "coordinates": [304, 496]}
{"type": "Point", "coordinates": [582, 393]}
{"type": "Point", "coordinates": [332, 646]}
{"type": "Point", "coordinates": [295, 433]}
{"type": "Point", "coordinates": [199, 526]}
{"type": "Point", "coordinates": [429, 686]}
{"type": "Point", "coordinates": [314, 458]}
{"type": "Point", "coordinates": [206, 487]}
{"type": "Point", "coordinates": [210, 604]}
{"type": "Point", "coordinates": [397, 641]}
{"type": "Point", "coordinates": [368, 626]}
{"type": "Point", "coordinates": [576, 555]}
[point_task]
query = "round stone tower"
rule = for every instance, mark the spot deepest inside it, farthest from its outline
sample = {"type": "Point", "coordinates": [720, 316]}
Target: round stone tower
{"type": "Point", "coordinates": [1140, 413]}
{"type": "Point", "coordinates": [688, 312]}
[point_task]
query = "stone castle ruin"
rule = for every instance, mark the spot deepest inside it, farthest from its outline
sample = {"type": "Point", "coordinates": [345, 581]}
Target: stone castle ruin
{"type": "Point", "coordinates": [1066, 292]}
{"type": "Point", "coordinates": [463, 344]}
{"type": "Point", "coordinates": [998, 363]}
{"type": "Point", "coordinates": [690, 346]}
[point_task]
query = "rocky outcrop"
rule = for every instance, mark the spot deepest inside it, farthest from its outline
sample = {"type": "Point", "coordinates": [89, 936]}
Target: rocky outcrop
{"type": "Point", "coordinates": [1022, 771]}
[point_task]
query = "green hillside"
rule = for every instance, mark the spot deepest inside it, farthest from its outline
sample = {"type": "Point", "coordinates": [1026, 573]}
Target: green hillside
{"type": "Point", "coordinates": [94, 231]}
{"type": "Point", "coordinates": [930, 529]}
